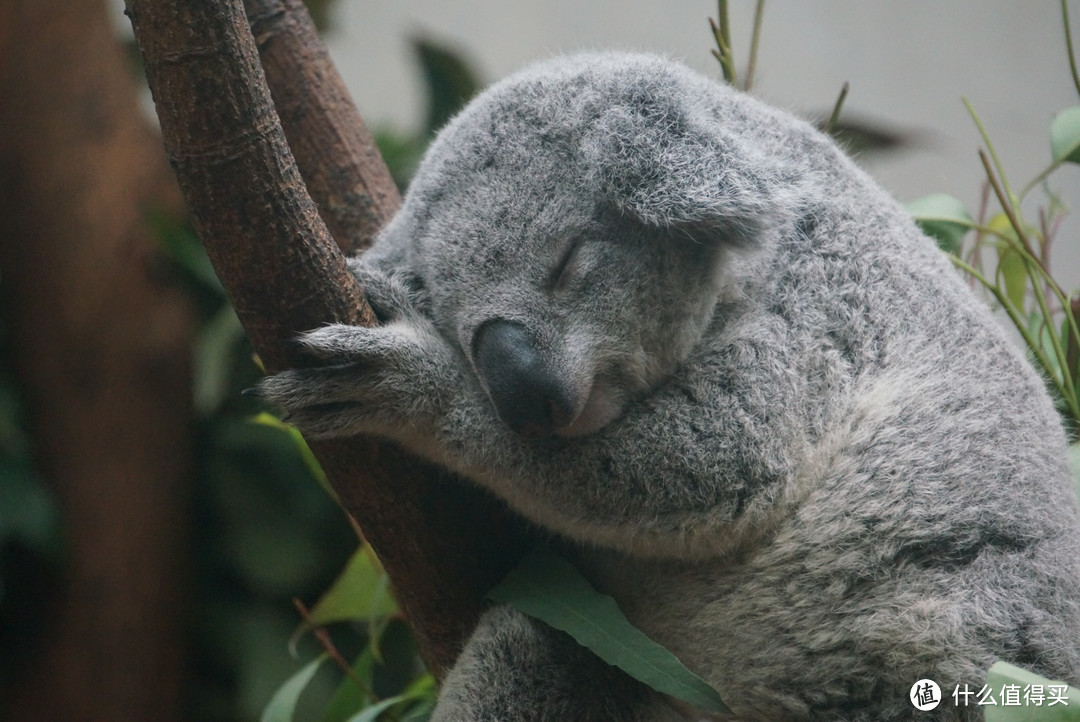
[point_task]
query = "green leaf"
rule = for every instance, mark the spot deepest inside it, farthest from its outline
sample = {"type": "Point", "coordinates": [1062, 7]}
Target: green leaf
{"type": "Point", "coordinates": [549, 588]}
{"type": "Point", "coordinates": [422, 693]}
{"type": "Point", "coordinates": [943, 218]}
{"type": "Point", "coordinates": [350, 696]}
{"type": "Point", "coordinates": [1014, 276]}
{"type": "Point", "coordinates": [1012, 272]}
{"type": "Point", "coordinates": [283, 704]}
{"type": "Point", "coordinates": [308, 456]}
{"type": "Point", "coordinates": [372, 713]}
{"type": "Point", "coordinates": [1002, 674]}
{"type": "Point", "coordinates": [214, 357]}
{"type": "Point", "coordinates": [360, 593]}
{"type": "Point", "coordinates": [451, 82]}
{"type": "Point", "coordinates": [1065, 136]}
{"type": "Point", "coordinates": [182, 246]}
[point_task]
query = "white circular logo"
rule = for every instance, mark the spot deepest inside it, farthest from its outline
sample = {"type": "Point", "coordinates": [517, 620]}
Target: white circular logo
{"type": "Point", "coordinates": [925, 695]}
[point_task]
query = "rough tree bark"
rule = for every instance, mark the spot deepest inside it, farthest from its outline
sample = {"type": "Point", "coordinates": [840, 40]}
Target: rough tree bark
{"type": "Point", "coordinates": [99, 341]}
{"type": "Point", "coordinates": [442, 542]}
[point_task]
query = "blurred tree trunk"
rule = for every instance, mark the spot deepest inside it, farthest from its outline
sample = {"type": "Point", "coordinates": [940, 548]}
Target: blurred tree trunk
{"type": "Point", "coordinates": [99, 341]}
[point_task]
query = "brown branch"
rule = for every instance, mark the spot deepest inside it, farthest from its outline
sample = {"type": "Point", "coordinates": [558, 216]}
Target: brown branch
{"type": "Point", "coordinates": [344, 172]}
{"type": "Point", "coordinates": [442, 542]}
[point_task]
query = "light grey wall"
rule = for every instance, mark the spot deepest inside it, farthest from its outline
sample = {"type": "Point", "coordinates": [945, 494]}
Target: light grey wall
{"type": "Point", "coordinates": [908, 63]}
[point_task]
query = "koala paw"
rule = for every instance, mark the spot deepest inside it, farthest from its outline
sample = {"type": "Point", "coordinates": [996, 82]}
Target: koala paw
{"type": "Point", "coordinates": [369, 380]}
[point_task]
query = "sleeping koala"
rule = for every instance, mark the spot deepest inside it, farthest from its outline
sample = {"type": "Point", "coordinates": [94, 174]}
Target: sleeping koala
{"type": "Point", "coordinates": [681, 330]}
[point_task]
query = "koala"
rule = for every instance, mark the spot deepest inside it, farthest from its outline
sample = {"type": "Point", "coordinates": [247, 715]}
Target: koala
{"type": "Point", "coordinates": [682, 332]}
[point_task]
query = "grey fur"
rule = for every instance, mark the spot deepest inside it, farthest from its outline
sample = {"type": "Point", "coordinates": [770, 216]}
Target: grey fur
{"type": "Point", "coordinates": [787, 439]}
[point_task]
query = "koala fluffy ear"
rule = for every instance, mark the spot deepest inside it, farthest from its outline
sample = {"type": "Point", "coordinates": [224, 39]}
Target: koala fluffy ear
{"type": "Point", "coordinates": [673, 169]}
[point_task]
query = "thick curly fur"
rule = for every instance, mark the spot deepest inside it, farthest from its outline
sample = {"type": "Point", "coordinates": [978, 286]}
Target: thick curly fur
{"type": "Point", "coordinates": [777, 427]}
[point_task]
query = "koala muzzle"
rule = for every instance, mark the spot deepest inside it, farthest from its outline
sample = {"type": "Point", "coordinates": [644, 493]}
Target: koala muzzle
{"type": "Point", "coordinates": [528, 393]}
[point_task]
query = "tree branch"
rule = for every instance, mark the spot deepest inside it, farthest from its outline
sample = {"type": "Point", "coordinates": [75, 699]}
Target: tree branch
{"type": "Point", "coordinates": [443, 542]}
{"type": "Point", "coordinates": [344, 172]}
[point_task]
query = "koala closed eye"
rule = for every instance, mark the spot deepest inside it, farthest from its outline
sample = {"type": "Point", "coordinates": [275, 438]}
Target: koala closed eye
{"type": "Point", "coordinates": [566, 267]}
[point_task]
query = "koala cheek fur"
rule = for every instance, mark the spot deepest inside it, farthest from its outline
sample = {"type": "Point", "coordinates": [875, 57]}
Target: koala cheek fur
{"type": "Point", "coordinates": [680, 329]}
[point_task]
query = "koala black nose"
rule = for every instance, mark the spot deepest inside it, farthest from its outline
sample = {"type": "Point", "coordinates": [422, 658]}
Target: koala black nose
{"type": "Point", "coordinates": [528, 393]}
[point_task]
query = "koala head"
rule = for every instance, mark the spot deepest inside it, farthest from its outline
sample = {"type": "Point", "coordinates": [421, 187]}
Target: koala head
{"type": "Point", "coordinates": [572, 230]}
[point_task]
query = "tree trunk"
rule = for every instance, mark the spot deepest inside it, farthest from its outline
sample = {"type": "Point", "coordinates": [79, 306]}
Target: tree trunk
{"type": "Point", "coordinates": [100, 344]}
{"type": "Point", "coordinates": [443, 542]}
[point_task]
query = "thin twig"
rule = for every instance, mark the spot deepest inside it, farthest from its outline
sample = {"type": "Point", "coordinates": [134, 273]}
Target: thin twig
{"type": "Point", "coordinates": [755, 38]}
{"type": "Point", "coordinates": [980, 232]}
{"type": "Point", "coordinates": [831, 124]}
{"type": "Point", "coordinates": [1069, 44]}
{"type": "Point", "coordinates": [721, 34]}
{"type": "Point", "coordinates": [993, 154]}
{"type": "Point", "coordinates": [1006, 206]}
{"type": "Point", "coordinates": [331, 649]}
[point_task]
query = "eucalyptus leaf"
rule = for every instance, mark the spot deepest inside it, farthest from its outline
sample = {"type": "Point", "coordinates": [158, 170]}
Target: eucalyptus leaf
{"type": "Point", "coordinates": [422, 693]}
{"type": "Point", "coordinates": [360, 593]}
{"type": "Point", "coordinates": [306, 454]}
{"type": "Point", "coordinates": [282, 705]}
{"type": "Point", "coordinates": [943, 218]}
{"type": "Point", "coordinates": [351, 696]}
{"type": "Point", "coordinates": [214, 358]}
{"type": "Point", "coordinates": [184, 248]}
{"type": "Point", "coordinates": [1002, 674]}
{"type": "Point", "coordinates": [549, 588]}
{"type": "Point", "coordinates": [372, 713]}
{"type": "Point", "coordinates": [451, 81]}
{"type": "Point", "coordinates": [1013, 273]}
{"type": "Point", "coordinates": [1065, 136]}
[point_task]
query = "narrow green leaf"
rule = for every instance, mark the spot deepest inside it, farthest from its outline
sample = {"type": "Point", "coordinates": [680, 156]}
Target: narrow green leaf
{"type": "Point", "coordinates": [283, 704]}
{"type": "Point", "coordinates": [1065, 136]}
{"type": "Point", "coordinates": [213, 359]}
{"type": "Point", "coordinates": [451, 81]}
{"type": "Point", "coordinates": [360, 593]}
{"type": "Point", "coordinates": [1003, 674]}
{"type": "Point", "coordinates": [351, 696]}
{"type": "Point", "coordinates": [549, 588]}
{"type": "Point", "coordinates": [943, 218]}
{"type": "Point", "coordinates": [184, 248]}
{"type": "Point", "coordinates": [372, 713]}
{"type": "Point", "coordinates": [1013, 274]}
{"type": "Point", "coordinates": [306, 453]}
{"type": "Point", "coordinates": [422, 693]}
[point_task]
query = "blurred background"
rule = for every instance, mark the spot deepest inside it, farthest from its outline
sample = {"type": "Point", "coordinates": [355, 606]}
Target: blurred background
{"type": "Point", "coordinates": [154, 529]}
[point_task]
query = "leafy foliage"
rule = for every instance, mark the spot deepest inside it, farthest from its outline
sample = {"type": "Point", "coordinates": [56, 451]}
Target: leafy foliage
{"type": "Point", "coordinates": [551, 589]}
{"type": "Point", "coordinates": [1009, 256]}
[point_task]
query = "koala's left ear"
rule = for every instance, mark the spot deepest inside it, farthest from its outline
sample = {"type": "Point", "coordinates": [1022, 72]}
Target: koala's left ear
{"type": "Point", "coordinates": [670, 169]}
